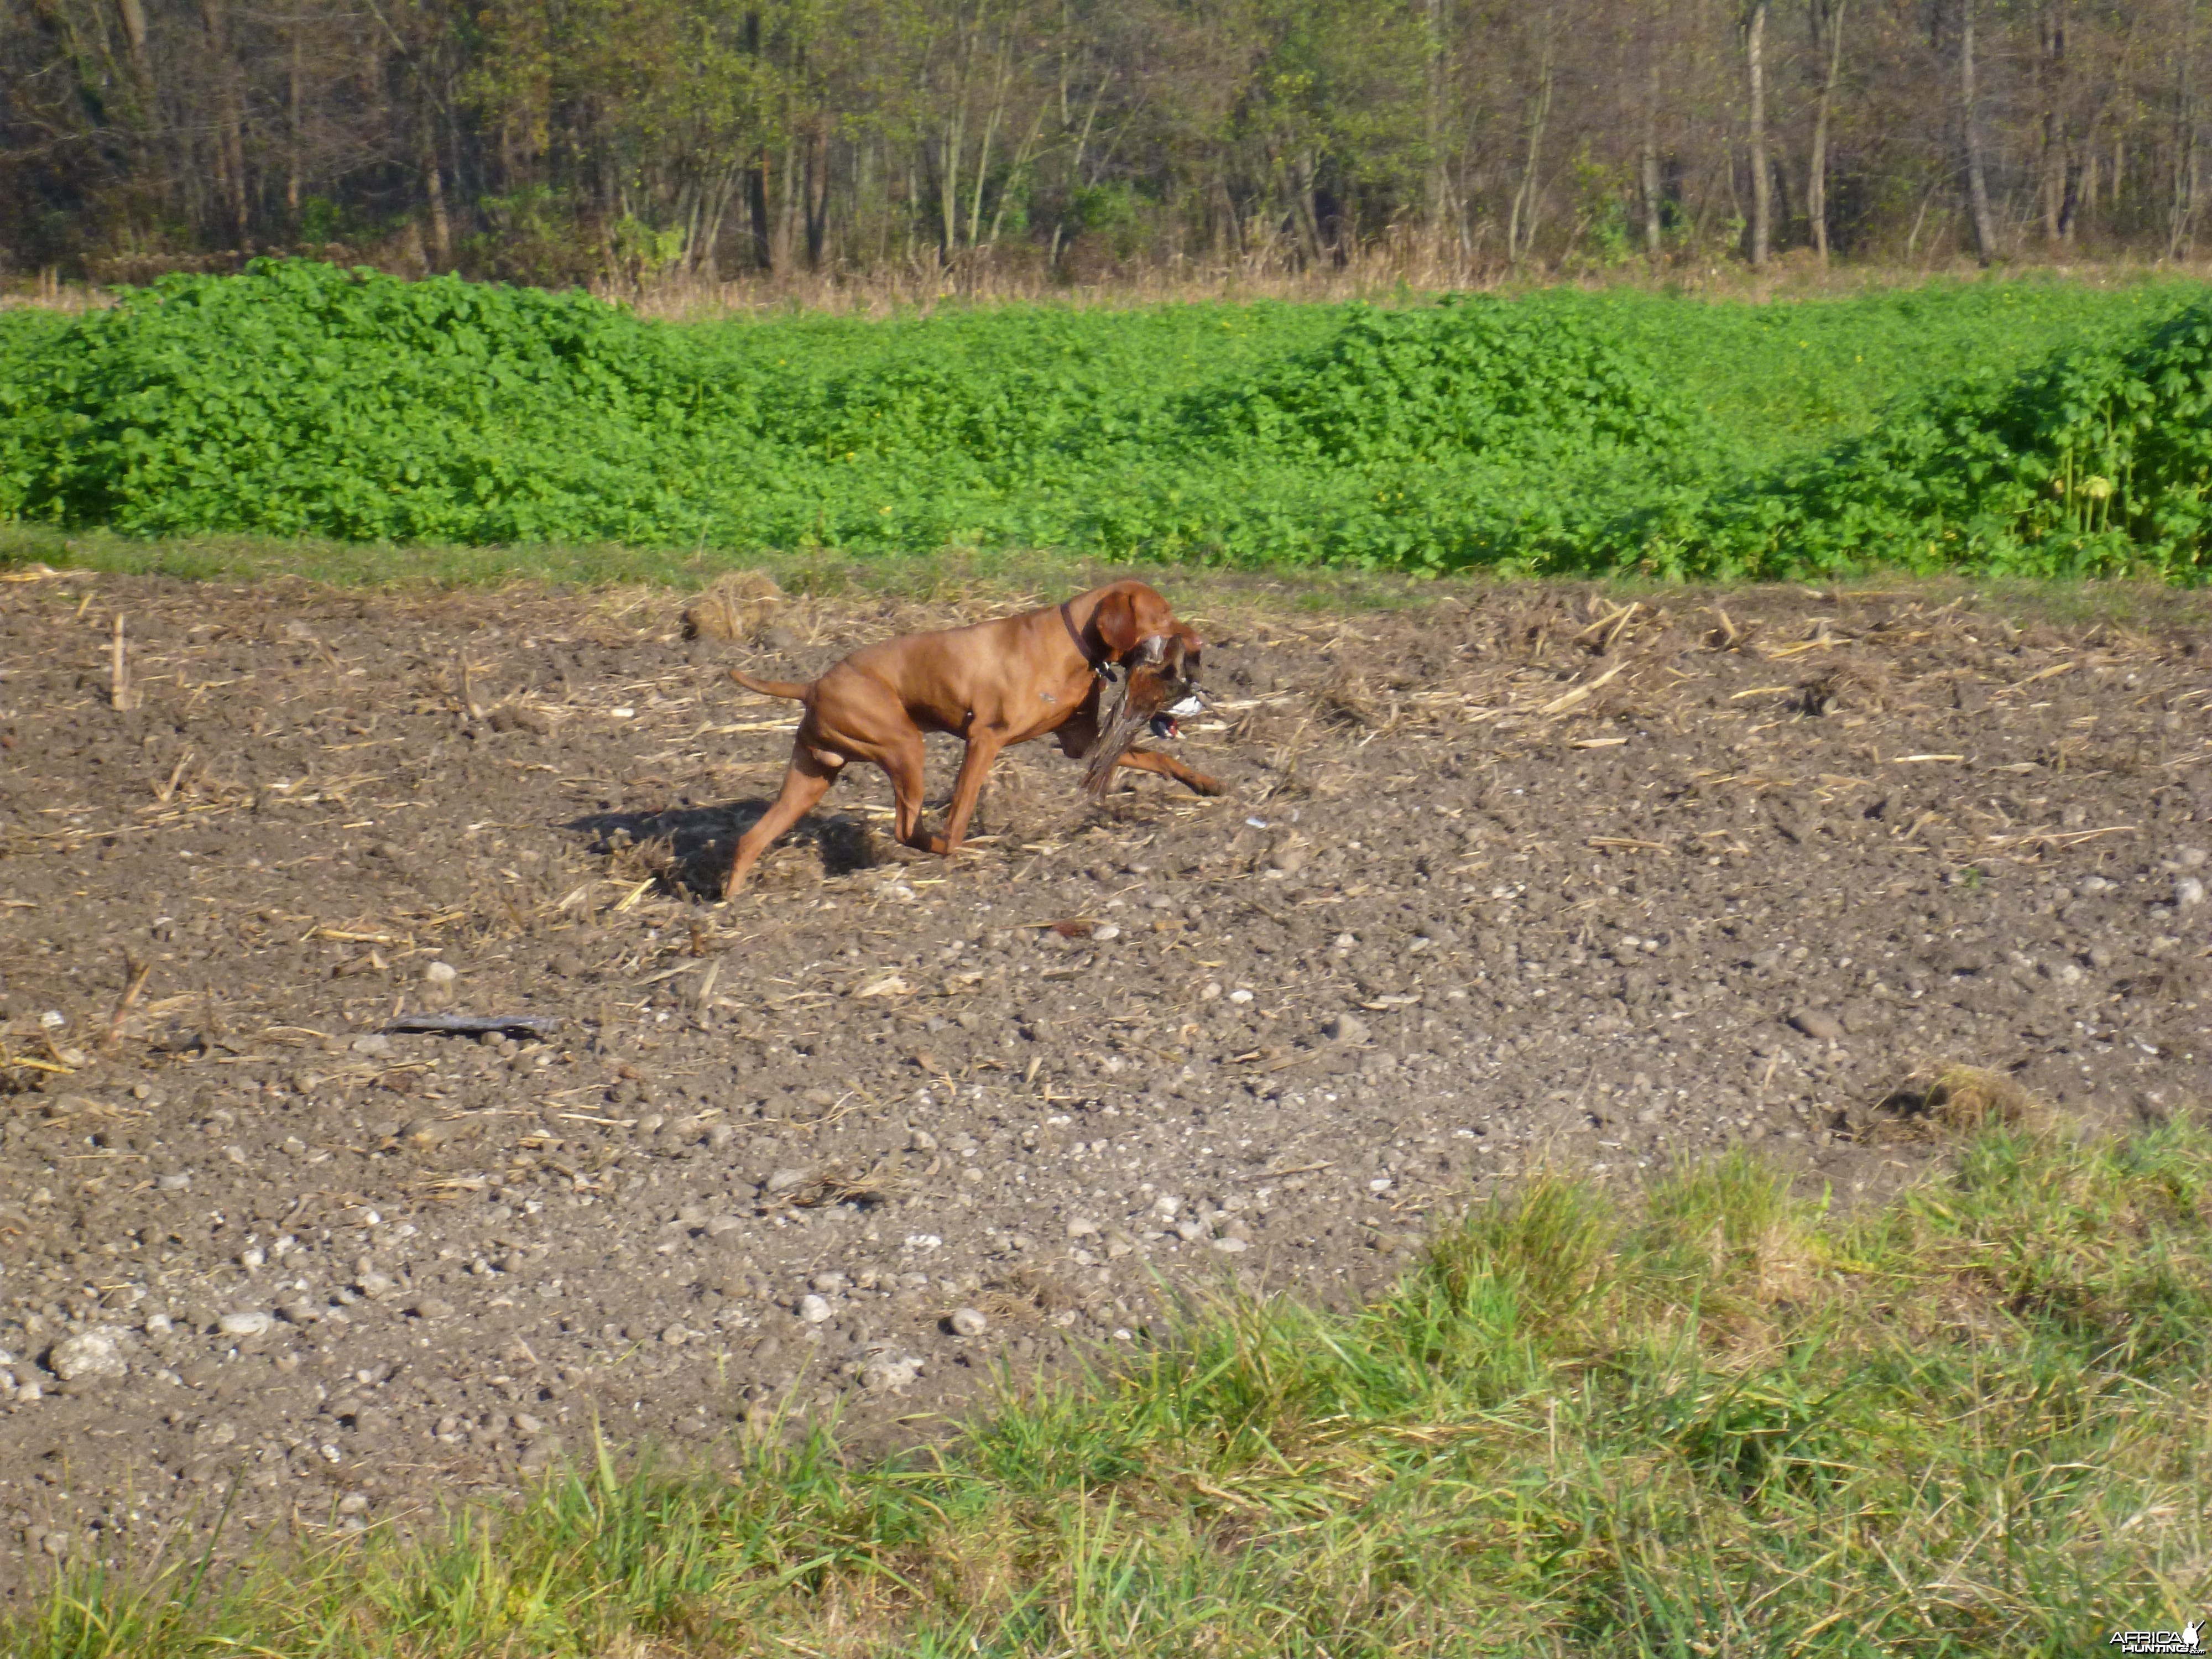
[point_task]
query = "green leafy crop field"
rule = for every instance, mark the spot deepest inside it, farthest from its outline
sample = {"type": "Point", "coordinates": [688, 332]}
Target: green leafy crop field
{"type": "Point", "coordinates": [2037, 428]}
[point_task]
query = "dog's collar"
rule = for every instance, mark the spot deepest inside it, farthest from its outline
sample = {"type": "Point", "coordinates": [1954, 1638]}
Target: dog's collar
{"type": "Point", "coordinates": [1101, 667]}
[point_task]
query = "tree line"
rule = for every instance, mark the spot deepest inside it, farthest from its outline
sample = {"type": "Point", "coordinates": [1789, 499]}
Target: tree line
{"type": "Point", "coordinates": [562, 141]}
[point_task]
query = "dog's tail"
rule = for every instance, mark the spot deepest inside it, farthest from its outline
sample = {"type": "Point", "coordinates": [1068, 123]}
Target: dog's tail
{"type": "Point", "coordinates": [795, 689]}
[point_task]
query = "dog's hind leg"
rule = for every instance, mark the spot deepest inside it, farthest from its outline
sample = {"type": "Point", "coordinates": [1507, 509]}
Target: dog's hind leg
{"type": "Point", "coordinates": [903, 765]}
{"type": "Point", "coordinates": [813, 771]}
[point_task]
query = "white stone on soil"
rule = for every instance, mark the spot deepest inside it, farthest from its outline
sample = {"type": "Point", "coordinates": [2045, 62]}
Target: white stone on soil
{"type": "Point", "coordinates": [890, 1373]}
{"type": "Point", "coordinates": [95, 1354]}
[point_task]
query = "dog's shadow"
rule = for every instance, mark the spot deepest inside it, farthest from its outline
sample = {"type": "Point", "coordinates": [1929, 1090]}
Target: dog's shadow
{"type": "Point", "coordinates": [687, 850]}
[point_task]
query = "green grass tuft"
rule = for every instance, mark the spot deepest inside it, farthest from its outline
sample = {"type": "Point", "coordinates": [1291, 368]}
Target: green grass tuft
{"type": "Point", "coordinates": [1727, 1422]}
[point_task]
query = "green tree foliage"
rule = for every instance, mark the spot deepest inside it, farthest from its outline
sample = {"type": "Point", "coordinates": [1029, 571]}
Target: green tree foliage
{"type": "Point", "coordinates": [636, 142]}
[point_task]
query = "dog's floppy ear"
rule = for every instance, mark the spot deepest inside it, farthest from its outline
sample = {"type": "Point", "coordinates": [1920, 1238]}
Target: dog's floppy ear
{"type": "Point", "coordinates": [1116, 623]}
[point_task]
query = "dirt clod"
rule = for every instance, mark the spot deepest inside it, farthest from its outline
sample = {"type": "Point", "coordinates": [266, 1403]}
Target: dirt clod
{"type": "Point", "coordinates": [1822, 1028]}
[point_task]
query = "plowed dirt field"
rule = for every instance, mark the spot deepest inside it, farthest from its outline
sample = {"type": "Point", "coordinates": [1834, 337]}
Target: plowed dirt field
{"type": "Point", "coordinates": [1519, 874]}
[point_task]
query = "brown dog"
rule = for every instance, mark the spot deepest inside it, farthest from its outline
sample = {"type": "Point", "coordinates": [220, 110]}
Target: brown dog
{"type": "Point", "coordinates": [991, 684]}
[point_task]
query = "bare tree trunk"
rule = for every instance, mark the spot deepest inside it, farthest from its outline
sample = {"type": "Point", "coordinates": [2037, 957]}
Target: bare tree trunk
{"type": "Point", "coordinates": [150, 158]}
{"type": "Point", "coordinates": [1439, 183]}
{"type": "Point", "coordinates": [1648, 160]}
{"type": "Point", "coordinates": [1919, 219]}
{"type": "Point", "coordinates": [1023, 153]}
{"type": "Point", "coordinates": [1521, 223]}
{"type": "Point", "coordinates": [716, 199]}
{"type": "Point", "coordinates": [132, 13]}
{"type": "Point", "coordinates": [2187, 185]}
{"type": "Point", "coordinates": [1762, 184]}
{"type": "Point", "coordinates": [1301, 205]}
{"type": "Point", "coordinates": [1083, 139]}
{"type": "Point", "coordinates": [818, 201]}
{"type": "Point", "coordinates": [292, 132]}
{"type": "Point", "coordinates": [691, 219]}
{"type": "Point", "coordinates": [230, 140]}
{"type": "Point", "coordinates": [863, 208]}
{"type": "Point", "coordinates": [912, 199]}
{"type": "Point", "coordinates": [757, 210]}
{"type": "Point", "coordinates": [788, 207]}
{"type": "Point", "coordinates": [2057, 151]}
{"type": "Point", "coordinates": [949, 180]}
{"type": "Point", "coordinates": [983, 164]}
{"type": "Point", "coordinates": [2181, 217]}
{"type": "Point", "coordinates": [1970, 137]}
{"type": "Point", "coordinates": [433, 188]}
{"type": "Point", "coordinates": [1816, 167]}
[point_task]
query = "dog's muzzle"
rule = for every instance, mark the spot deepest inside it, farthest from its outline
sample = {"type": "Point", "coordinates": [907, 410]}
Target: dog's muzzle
{"type": "Point", "coordinates": [1166, 724]}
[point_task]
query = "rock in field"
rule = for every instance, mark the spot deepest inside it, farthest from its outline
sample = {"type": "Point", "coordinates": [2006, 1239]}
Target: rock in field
{"type": "Point", "coordinates": [1346, 1027]}
{"type": "Point", "coordinates": [93, 1355]}
{"type": "Point", "coordinates": [1821, 1028]}
{"type": "Point", "coordinates": [890, 1373]}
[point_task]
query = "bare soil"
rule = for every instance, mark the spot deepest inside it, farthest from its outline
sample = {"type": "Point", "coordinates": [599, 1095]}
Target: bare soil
{"type": "Point", "coordinates": [1524, 874]}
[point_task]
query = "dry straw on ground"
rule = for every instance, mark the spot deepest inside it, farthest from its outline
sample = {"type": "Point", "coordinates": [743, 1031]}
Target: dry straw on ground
{"type": "Point", "coordinates": [1952, 1100]}
{"type": "Point", "coordinates": [1847, 683]}
{"type": "Point", "coordinates": [737, 607]}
